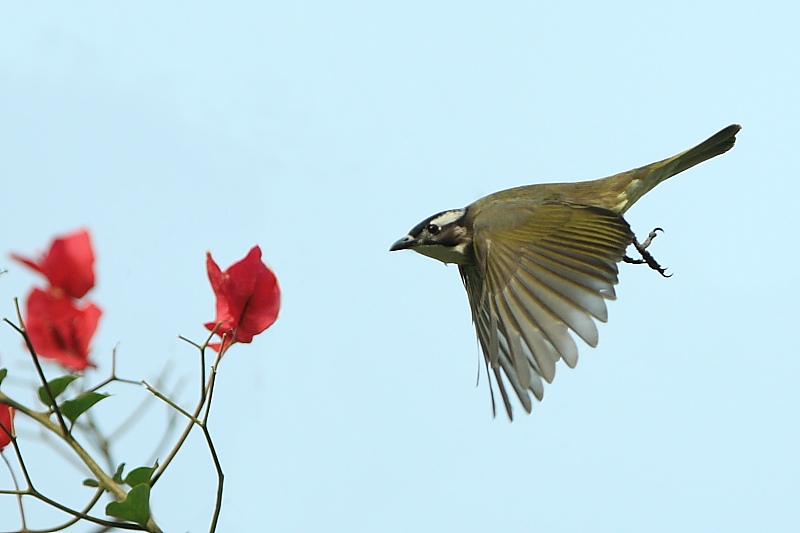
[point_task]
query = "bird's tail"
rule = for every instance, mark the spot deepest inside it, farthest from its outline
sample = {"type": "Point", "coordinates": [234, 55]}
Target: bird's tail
{"type": "Point", "coordinates": [636, 183]}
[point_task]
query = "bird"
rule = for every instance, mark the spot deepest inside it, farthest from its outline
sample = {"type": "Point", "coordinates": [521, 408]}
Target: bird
{"type": "Point", "coordinates": [538, 263]}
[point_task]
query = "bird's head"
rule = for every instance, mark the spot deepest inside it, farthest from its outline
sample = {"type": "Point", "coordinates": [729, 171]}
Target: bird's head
{"type": "Point", "coordinates": [444, 236]}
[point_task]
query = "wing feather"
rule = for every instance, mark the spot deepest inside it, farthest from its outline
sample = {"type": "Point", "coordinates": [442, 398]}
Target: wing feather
{"type": "Point", "coordinates": [518, 356]}
{"type": "Point", "coordinates": [536, 304]}
{"type": "Point", "coordinates": [590, 300]}
{"type": "Point", "coordinates": [568, 269]}
{"type": "Point", "coordinates": [493, 336]}
{"type": "Point", "coordinates": [543, 354]}
{"type": "Point", "coordinates": [536, 277]}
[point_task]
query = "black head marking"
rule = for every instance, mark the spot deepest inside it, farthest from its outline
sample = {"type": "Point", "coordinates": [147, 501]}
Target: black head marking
{"type": "Point", "coordinates": [436, 228]}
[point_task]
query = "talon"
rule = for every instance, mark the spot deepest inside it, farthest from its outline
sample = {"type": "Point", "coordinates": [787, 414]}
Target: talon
{"type": "Point", "coordinates": [650, 236]}
{"type": "Point", "coordinates": [632, 261]}
{"type": "Point", "coordinates": [646, 256]}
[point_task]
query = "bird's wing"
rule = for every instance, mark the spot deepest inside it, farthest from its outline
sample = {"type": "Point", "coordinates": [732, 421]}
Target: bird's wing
{"type": "Point", "coordinates": [539, 272]}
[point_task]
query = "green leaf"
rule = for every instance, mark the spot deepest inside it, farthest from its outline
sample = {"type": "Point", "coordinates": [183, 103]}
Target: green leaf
{"type": "Point", "coordinates": [90, 483]}
{"type": "Point", "coordinates": [3, 374]}
{"type": "Point", "coordinates": [57, 386]}
{"type": "Point", "coordinates": [117, 477]}
{"type": "Point", "coordinates": [72, 409]}
{"type": "Point", "coordinates": [140, 475]}
{"type": "Point", "coordinates": [134, 508]}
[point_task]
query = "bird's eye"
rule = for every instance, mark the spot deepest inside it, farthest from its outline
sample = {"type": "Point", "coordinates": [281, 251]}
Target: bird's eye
{"type": "Point", "coordinates": [433, 229]}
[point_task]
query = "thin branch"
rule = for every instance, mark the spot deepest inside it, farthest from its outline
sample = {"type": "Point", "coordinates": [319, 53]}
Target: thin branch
{"type": "Point", "coordinates": [113, 375]}
{"type": "Point", "coordinates": [82, 516]}
{"type": "Point", "coordinates": [34, 493]}
{"type": "Point", "coordinates": [89, 427]}
{"type": "Point", "coordinates": [169, 402]}
{"type": "Point", "coordinates": [220, 478]}
{"type": "Point", "coordinates": [16, 486]}
{"type": "Point", "coordinates": [211, 448]}
{"type": "Point", "coordinates": [75, 519]}
{"type": "Point", "coordinates": [32, 351]}
{"type": "Point", "coordinates": [105, 481]}
{"type": "Point", "coordinates": [189, 341]}
{"type": "Point", "coordinates": [193, 420]}
{"type": "Point", "coordinates": [21, 461]}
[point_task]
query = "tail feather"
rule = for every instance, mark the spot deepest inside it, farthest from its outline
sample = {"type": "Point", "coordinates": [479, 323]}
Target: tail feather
{"type": "Point", "coordinates": [717, 144]}
{"type": "Point", "coordinates": [636, 183]}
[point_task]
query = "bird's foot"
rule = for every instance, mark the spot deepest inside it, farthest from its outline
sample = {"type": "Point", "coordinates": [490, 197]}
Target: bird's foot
{"type": "Point", "coordinates": [647, 258]}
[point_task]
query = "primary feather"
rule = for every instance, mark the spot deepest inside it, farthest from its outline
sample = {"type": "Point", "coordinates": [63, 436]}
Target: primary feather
{"type": "Point", "coordinates": [542, 275]}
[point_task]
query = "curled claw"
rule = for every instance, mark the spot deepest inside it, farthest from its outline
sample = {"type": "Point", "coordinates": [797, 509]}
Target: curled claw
{"type": "Point", "coordinates": [647, 258]}
{"type": "Point", "coordinates": [651, 236]}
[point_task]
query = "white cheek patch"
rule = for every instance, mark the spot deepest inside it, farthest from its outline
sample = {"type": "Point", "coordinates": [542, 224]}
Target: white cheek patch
{"type": "Point", "coordinates": [448, 217]}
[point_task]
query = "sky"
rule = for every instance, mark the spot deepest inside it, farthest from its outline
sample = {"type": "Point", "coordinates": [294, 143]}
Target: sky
{"type": "Point", "coordinates": [324, 131]}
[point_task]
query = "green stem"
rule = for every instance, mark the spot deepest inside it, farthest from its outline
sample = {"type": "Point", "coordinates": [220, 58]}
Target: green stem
{"type": "Point", "coordinates": [43, 419]}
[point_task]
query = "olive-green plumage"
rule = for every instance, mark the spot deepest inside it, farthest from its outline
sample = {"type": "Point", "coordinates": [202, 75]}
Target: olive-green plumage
{"type": "Point", "coordinates": [619, 192]}
{"type": "Point", "coordinates": [540, 260]}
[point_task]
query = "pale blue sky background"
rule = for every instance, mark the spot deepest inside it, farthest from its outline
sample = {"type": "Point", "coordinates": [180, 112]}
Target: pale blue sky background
{"type": "Point", "coordinates": [323, 132]}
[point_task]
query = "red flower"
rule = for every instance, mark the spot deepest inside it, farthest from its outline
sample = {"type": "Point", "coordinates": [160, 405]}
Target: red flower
{"type": "Point", "coordinates": [248, 298]}
{"type": "Point", "coordinates": [68, 265]}
{"type": "Point", "coordinates": [6, 424]}
{"type": "Point", "coordinates": [61, 330]}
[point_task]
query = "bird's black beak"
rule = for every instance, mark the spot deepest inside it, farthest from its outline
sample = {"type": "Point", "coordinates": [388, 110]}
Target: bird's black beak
{"type": "Point", "coordinates": [404, 244]}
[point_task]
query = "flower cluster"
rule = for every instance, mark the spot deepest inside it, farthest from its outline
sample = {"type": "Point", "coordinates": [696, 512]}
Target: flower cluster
{"type": "Point", "coordinates": [60, 325]}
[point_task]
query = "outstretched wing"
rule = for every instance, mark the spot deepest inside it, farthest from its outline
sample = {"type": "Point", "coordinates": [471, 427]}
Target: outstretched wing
{"type": "Point", "coordinates": [538, 273]}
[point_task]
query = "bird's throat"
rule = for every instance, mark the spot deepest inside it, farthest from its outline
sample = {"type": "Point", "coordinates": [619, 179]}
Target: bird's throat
{"type": "Point", "coordinates": [446, 254]}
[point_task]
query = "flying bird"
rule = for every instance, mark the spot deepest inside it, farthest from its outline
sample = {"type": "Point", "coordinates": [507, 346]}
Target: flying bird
{"type": "Point", "coordinates": [539, 261]}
